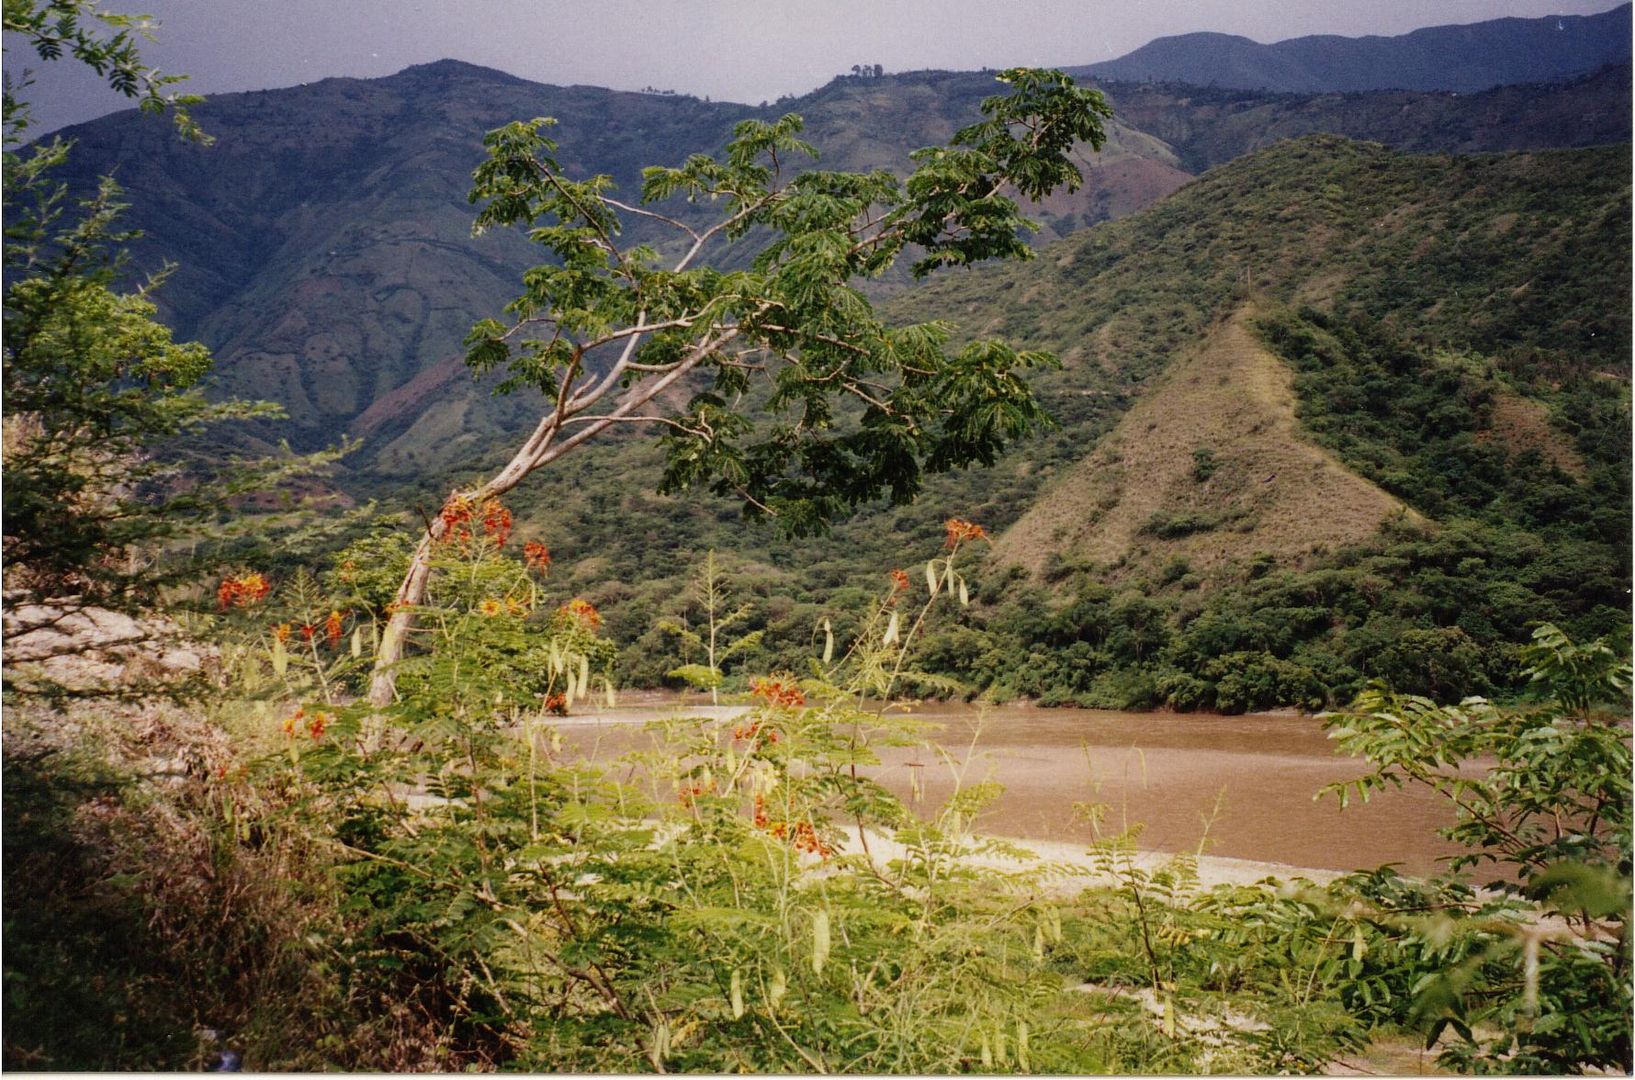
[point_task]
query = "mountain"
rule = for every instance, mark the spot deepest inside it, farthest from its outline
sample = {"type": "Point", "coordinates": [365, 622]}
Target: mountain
{"type": "Point", "coordinates": [323, 245]}
{"type": "Point", "coordinates": [323, 251]}
{"type": "Point", "coordinates": [1329, 413]}
{"type": "Point", "coordinates": [1457, 58]}
{"type": "Point", "coordinates": [1521, 261]}
{"type": "Point", "coordinates": [1210, 466]}
{"type": "Point", "coordinates": [1209, 126]}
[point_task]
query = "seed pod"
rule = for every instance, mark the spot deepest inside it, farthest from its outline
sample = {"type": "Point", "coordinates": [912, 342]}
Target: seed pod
{"type": "Point", "coordinates": [828, 642]}
{"type": "Point", "coordinates": [820, 940]}
{"type": "Point", "coordinates": [776, 987]}
{"type": "Point", "coordinates": [931, 576]}
{"type": "Point", "coordinates": [890, 636]}
{"type": "Point", "coordinates": [737, 993]}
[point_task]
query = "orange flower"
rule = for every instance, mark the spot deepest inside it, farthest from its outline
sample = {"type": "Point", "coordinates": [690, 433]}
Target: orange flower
{"type": "Point", "coordinates": [899, 580]}
{"type": "Point", "coordinates": [961, 531]}
{"type": "Point", "coordinates": [556, 705]}
{"type": "Point", "coordinates": [242, 591]}
{"type": "Point", "coordinates": [584, 611]}
{"type": "Point", "coordinates": [315, 726]}
{"type": "Point", "coordinates": [513, 606]}
{"type": "Point", "coordinates": [490, 606]}
{"type": "Point", "coordinates": [689, 792]}
{"type": "Point", "coordinates": [496, 521]}
{"type": "Point", "coordinates": [332, 628]}
{"type": "Point", "coordinates": [535, 556]}
{"type": "Point", "coordinates": [282, 631]}
{"type": "Point", "coordinates": [289, 725]}
{"type": "Point", "coordinates": [777, 692]}
{"type": "Point", "coordinates": [802, 837]}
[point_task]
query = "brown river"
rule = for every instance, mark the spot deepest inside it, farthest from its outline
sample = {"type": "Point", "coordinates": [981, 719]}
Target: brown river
{"type": "Point", "coordinates": [1240, 786]}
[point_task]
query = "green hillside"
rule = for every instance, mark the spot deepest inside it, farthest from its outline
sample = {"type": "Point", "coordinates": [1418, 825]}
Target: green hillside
{"type": "Point", "coordinates": [1424, 367]}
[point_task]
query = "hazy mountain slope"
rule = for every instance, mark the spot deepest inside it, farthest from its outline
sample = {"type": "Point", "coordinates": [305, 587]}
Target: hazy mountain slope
{"type": "Point", "coordinates": [323, 244]}
{"type": "Point", "coordinates": [1469, 57]}
{"type": "Point", "coordinates": [1207, 127]}
{"type": "Point", "coordinates": [1503, 253]}
{"type": "Point", "coordinates": [1210, 466]}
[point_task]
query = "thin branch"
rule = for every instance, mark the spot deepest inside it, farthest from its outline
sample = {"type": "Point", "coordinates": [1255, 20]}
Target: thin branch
{"type": "Point", "coordinates": [629, 209]}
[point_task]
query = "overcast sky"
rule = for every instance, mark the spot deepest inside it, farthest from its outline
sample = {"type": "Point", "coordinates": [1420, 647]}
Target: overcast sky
{"type": "Point", "coordinates": [735, 50]}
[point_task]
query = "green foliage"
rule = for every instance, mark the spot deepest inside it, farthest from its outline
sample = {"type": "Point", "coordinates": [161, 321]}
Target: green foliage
{"type": "Point", "coordinates": [110, 501]}
{"type": "Point", "coordinates": [1551, 808]}
{"type": "Point", "coordinates": [854, 410]}
{"type": "Point", "coordinates": [93, 385]}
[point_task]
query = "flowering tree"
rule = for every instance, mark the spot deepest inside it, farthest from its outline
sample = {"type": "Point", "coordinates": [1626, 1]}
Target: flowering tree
{"type": "Point", "coordinates": [847, 410]}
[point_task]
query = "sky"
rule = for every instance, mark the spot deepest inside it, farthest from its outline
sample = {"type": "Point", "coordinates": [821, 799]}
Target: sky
{"type": "Point", "coordinates": [734, 50]}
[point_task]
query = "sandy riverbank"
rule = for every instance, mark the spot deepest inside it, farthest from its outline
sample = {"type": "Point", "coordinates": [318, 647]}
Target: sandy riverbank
{"type": "Point", "coordinates": [1070, 866]}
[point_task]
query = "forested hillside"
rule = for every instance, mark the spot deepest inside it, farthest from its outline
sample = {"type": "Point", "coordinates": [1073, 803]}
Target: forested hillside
{"type": "Point", "coordinates": [1471, 366]}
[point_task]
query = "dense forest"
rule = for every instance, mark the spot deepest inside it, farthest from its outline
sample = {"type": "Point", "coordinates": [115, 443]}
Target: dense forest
{"type": "Point", "coordinates": [291, 778]}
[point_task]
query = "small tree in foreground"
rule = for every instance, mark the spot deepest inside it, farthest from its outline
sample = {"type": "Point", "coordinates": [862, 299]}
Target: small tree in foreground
{"type": "Point", "coordinates": [848, 409]}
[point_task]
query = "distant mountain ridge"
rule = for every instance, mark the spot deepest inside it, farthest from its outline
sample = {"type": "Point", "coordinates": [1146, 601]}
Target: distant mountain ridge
{"type": "Point", "coordinates": [1458, 58]}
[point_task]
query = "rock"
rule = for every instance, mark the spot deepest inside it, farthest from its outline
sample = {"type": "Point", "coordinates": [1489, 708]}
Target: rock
{"type": "Point", "coordinates": [90, 649]}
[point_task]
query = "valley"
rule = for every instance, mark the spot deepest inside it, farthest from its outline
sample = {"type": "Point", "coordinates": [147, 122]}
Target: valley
{"type": "Point", "coordinates": [951, 571]}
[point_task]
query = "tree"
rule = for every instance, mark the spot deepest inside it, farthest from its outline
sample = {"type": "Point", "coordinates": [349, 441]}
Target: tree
{"type": "Point", "coordinates": [802, 403]}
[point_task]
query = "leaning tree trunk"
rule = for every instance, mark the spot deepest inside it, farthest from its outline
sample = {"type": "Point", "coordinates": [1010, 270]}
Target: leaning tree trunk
{"type": "Point", "coordinates": [540, 449]}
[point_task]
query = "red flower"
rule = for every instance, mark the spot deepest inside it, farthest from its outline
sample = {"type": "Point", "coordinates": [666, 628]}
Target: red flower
{"type": "Point", "coordinates": [456, 517]}
{"type": "Point", "coordinates": [535, 556]}
{"type": "Point", "coordinates": [556, 705]}
{"type": "Point", "coordinates": [961, 531]}
{"type": "Point", "coordinates": [899, 580]}
{"type": "Point", "coordinates": [307, 631]}
{"type": "Point", "coordinates": [332, 628]}
{"type": "Point", "coordinates": [777, 692]}
{"type": "Point", "coordinates": [242, 591]}
{"type": "Point", "coordinates": [496, 521]}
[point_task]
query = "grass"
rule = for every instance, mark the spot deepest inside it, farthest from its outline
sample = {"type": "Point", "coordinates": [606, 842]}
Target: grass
{"type": "Point", "coordinates": [1138, 498]}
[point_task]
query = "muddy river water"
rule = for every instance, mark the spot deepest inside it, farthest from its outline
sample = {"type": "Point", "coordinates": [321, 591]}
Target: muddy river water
{"type": "Point", "coordinates": [1251, 778]}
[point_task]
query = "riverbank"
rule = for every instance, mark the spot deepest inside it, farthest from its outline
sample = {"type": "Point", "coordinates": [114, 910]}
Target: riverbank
{"type": "Point", "coordinates": [1070, 867]}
